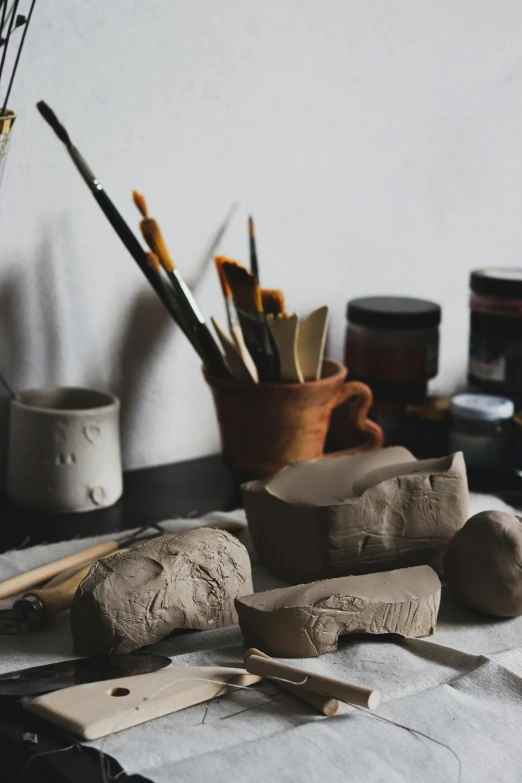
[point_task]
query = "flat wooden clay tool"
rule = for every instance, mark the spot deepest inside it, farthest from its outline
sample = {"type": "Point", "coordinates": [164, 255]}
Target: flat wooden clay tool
{"type": "Point", "coordinates": [312, 682]}
{"type": "Point", "coordinates": [97, 709]}
{"type": "Point", "coordinates": [240, 369]}
{"type": "Point", "coordinates": [322, 704]}
{"type": "Point", "coordinates": [284, 330]}
{"type": "Point", "coordinates": [311, 342]}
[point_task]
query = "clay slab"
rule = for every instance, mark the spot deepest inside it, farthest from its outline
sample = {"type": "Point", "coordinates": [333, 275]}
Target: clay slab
{"type": "Point", "coordinates": [306, 620]}
{"type": "Point", "coordinates": [356, 514]}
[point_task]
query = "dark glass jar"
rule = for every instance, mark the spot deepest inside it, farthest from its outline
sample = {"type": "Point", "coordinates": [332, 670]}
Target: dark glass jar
{"type": "Point", "coordinates": [482, 428]}
{"type": "Point", "coordinates": [495, 343]}
{"type": "Point", "coordinates": [392, 344]}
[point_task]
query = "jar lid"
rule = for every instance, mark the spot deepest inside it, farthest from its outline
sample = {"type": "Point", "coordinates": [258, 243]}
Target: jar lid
{"type": "Point", "coordinates": [481, 407]}
{"type": "Point", "coordinates": [497, 281]}
{"type": "Point", "coordinates": [393, 312]}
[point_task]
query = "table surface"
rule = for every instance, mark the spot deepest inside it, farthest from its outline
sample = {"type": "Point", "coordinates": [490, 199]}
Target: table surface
{"type": "Point", "coordinates": [150, 495]}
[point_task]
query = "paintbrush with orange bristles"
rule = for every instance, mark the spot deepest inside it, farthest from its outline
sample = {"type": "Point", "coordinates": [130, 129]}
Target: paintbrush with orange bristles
{"type": "Point", "coordinates": [233, 320]}
{"type": "Point", "coordinates": [249, 307]}
{"type": "Point", "coordinates": [190, 315]}
{"type": "Point", "coordinates": [273, 301]}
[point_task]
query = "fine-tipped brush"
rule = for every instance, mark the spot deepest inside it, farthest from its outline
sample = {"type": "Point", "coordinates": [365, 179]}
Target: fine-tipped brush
{"type": "Point", "coordinates": [214, 361]}
{"type": "Point", "coordinates": [247, 299]}
{"type": "Point", "coordinates": [273, 301]}
{"type": "Point", "coordinates": [254, 266]}
{"type": "Point", "coordinates": [190, 313]}
{"type": "Point", "coordinates": [233, 320]}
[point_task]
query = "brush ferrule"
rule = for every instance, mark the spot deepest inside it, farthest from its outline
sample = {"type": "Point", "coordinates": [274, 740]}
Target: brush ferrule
{"type": "Point", "coordinates": [188, 294]}
{"type": "Point", "coordinates": [233, 318]}
{"type": "Point", "coordinates": [84, 169]}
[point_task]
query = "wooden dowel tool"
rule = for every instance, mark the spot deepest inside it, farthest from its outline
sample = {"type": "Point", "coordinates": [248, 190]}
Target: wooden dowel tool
{"type": "Point", "coordinates": [310, 681]}
{"type": "Point", "coordinates": [323, 704]}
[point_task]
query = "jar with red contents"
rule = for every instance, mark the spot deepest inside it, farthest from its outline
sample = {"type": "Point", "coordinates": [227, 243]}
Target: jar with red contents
{"type": "Point", "coordinates": [495, 345]}
{"type": "Point", "coordinates": [392, 344]}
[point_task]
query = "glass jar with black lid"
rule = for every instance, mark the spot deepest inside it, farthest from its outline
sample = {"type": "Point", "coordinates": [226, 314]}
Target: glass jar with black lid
{"type": "Point", "coordinates": [495, 345]}
{"type": "Point", "coordinates": [392, 344]}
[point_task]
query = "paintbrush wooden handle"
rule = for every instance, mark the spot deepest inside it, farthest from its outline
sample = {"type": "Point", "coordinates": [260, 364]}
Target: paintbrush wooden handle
{"type": "Point", "coordinates": [312, 682]}
{"type": "Point", "coordinates": [20, 582]}
{"type": "Point", "coordinates": [323, 704]}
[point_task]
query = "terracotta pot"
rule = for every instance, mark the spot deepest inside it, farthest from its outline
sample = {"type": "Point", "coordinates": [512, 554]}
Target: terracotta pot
{"type": "Point", "coordinates": [266, 426]}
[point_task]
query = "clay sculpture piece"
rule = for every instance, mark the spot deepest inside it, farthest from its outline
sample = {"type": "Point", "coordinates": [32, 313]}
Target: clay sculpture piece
{"type": "Point", "coordinates": [483, 564]}
{"type": "Point", "coordinates": [356, 514]}
{"type": "Point", "coordinates": [306, 620]}
{"type": "Point", "coordinates": [139, 596]}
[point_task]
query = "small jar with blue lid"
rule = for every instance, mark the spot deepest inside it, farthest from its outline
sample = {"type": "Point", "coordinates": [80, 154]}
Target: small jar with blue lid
{"type": "Point", "coordinates": [482, 428]}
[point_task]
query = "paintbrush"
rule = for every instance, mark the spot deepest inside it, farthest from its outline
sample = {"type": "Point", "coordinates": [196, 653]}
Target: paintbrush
{"type": "Point", "coordinates": [190, 313]}
{"type": "Point", "coordinates": [215, 362]}
{"type": "Point", "coordinates": [254, 266]}
{"type": "Point", "coordinates": [233, 320]}
{"type": "Point", "coordinates": [273, 301]}
{"type": "Point", "coordinates": [27, 22]}
{"type": "Point", "coordinates": [247, 300]}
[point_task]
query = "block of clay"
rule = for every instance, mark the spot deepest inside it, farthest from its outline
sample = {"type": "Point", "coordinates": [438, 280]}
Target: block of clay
{"type": "Point", "coordinates": [139, 596]}
{"type": "Point", "coordinates": [356, 514]}
{"type": "Point", "coordinates": [306, 620]}
{"type": "Point", "coordinates": [483, 564]}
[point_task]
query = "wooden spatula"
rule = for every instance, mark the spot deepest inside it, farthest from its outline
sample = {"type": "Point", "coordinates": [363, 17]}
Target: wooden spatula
{"type": "Point", "coordinates": [101, 708]}
{"type": "Point", "coordinates": [311, 343]}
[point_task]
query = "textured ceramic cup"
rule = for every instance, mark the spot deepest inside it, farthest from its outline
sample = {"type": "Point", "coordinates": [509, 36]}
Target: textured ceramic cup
{"type": "Point", "coordinates": [265, 426]}
{"type": "Point", "coordinates": [64, 450]}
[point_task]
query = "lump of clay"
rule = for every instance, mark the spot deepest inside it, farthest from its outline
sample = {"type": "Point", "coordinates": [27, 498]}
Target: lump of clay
{"type": "Point", "coordinates": [483, 564]}
{"type": "Point", "coordinates": [306, 620]}
{"type": "Point", "coordinates": [139, 596]}
{"type": "Point", "coordinates": [356, 514]}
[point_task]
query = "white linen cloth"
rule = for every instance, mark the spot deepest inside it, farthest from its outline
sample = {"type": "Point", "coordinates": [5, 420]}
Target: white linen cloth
{"type": "Point", "coordinates": [451, 706]}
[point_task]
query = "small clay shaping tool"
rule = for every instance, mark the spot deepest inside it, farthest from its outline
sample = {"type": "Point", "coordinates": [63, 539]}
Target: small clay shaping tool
{"type": "Point", "coordinates": [311, 343]}
{"type": "Point", "coordinates": [238, 366]}
{"type": "Point", "coordinates": [310, 681]}
{"type": "Point", "coordinates": [95, 710]}
{"type": "Point", "coordinates": [323, 704]}
{"type": "Point", "coordinates": [285, 330]}
{"type": "Point", "coordinates": [65, 674]}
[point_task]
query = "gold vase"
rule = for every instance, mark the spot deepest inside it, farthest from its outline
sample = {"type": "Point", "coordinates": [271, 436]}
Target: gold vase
{"type": "Point", "coordinates": [6, 125]}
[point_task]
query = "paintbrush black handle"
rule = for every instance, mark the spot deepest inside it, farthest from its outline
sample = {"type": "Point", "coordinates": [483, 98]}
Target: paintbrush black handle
{"type": "Point", "coordinates": [215, 363]}
{"type": "Point", "coordinates": [260, 344]}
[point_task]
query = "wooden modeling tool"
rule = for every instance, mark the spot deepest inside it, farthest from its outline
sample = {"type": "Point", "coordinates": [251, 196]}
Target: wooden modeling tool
{"type": "Point", "coordinates": [233, 320]}
{"type": "Point", "coordinates": [214, 360]}
{"type": "Point", "coordinates": [312, 682]}
{"type": "Point", "coordinates": [273, 301]}
{"type": "Point", "coordinates": [98, 709]}
{"type": "Point", "coordinates": [254, 266]}
{"type": "Point", "coordinates": [233, 356]}
{"type": "Point", "coordinates": [191, 317]}
{"type": "Point", "coordinates": [20, 582]}
{"type": "Point", "coordinates": [285, 330]}
{"type": "Point", "coordinates": [323, 704]}
{"type": "Point", "coordinates": [311, 343]}
{"type": "Point", "coordinates": [247, 299]}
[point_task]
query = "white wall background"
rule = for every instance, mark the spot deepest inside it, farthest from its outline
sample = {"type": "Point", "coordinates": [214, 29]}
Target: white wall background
{"type": "Point", "coordinates": [377, 143]}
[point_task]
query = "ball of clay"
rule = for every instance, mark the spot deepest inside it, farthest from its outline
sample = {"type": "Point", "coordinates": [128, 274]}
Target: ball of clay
{"type": "Point", "coordinates": [139, 596]}
{"type": "Point", "coordinates": [483, 564]}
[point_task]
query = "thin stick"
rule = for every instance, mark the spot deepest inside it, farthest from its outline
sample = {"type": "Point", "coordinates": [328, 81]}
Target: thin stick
{"type": "Point", "coordinates": [2, 20]}
{"type": "Point", "coordinates": [7, 386]}
{"type": "Point", "coordinates": [20, 47]}
{"type": "Point", "coordinates": [8, 38]}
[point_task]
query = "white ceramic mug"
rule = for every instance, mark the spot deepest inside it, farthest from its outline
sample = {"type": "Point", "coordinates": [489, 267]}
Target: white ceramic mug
{"type": "Point", "coordinates": [64, 450]}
